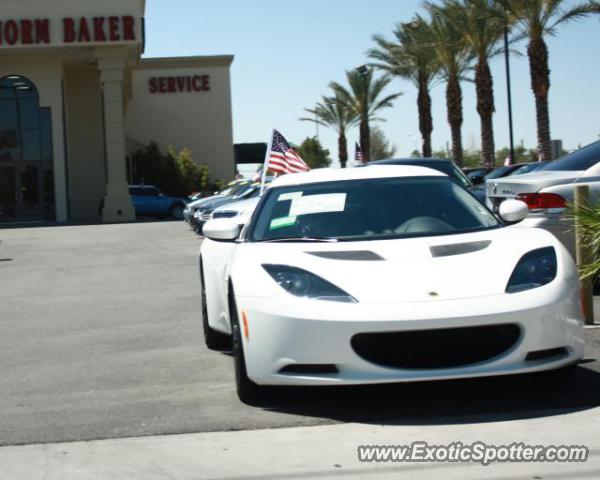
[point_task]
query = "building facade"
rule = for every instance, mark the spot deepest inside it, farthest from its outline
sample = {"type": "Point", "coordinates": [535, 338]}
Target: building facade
{"type": "Point", "coordinates": [76, 98]}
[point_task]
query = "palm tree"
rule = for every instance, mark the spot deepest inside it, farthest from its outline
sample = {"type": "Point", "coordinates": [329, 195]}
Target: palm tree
{"type": "Point", "coordinates": [412, 57]}
{"type": "Point", "coordinates": [333, 113]}
{"type": "Point", "coordinates": [454, 59]}
{"type": "Point", "coordinates": [365, 99]}
{"type": "Point", "coordinates": [536, 19]}
{"type": "Point", "coordinates": [482, 23]}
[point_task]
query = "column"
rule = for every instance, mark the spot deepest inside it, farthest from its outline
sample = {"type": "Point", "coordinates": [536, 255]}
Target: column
{"type": "Point", "coordinates": [117, 202]}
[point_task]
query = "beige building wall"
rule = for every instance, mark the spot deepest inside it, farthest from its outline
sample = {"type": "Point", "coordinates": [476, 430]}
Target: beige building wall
{"type": "Point", "coordinates": [46, 74]}
{"type": "Point", "coordinates": [199, 120]}
{"type": "Point", "coordinates": [86, 166]}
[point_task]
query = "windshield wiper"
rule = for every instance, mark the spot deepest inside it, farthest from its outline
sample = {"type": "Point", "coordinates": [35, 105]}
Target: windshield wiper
{"type": "Point", "coordinates": [302, 239]}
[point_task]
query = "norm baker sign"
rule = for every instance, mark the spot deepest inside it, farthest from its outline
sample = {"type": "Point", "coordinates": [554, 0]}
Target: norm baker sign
{"type": "Point", "coordinates": [74, 30]}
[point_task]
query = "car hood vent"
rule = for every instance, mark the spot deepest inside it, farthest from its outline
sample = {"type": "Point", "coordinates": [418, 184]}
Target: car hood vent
{"type": "Point", "coordinates": [356, 255]}
{"type": "Point", "coordinates": [458, 248]}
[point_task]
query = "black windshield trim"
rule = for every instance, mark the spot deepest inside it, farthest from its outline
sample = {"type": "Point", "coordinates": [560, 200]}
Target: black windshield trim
{"type": "Point", "coordinates": [249, 237]}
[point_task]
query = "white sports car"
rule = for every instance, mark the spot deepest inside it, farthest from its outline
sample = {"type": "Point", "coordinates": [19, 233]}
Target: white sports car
{"type": "Point", "coordinates": [373, 275]}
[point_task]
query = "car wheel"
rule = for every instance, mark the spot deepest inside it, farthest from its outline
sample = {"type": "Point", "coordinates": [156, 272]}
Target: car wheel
{"type": "Point", "coordinates": [248, 391]}
{"type": "Point", "coordinates": [214, 340]}
{"type": "Point", "coordinates": [177, 211]}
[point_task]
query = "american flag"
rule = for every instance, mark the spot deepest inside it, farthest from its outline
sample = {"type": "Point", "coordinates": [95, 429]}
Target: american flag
{"type": "Point", "coordinates": [358, 154]}
{"type": "Point", "coordinates": [283, 158]}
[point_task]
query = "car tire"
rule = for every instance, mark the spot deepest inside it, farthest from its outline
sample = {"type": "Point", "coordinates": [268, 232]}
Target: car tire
{"type": "Point", "coordinates": [248, 391]}
{"type": "Point", "coordinates": [214, 340]}
{"type": "Point", "coordinates": [177, 211]}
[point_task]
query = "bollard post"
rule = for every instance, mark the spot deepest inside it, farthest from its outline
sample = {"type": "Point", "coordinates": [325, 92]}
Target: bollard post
{"type": "Point", "coordinates": [584, 256]}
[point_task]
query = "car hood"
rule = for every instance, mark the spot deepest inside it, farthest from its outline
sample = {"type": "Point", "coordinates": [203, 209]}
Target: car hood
{"type": "Point", "coordinates": [202, 201]}
{"type": "Point", "coordinates": [407, 270]}
{"type": "Point", "coordinates": [528, 182]}
{"type": "Point", "coordinates": [241, 206]}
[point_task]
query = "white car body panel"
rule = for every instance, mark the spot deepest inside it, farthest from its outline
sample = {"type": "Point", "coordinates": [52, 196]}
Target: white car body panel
{"type": "Point", "coordinates": [408, 289]}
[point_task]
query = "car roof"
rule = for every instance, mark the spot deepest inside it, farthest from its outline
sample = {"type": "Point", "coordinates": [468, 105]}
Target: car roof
{"type": "Point", "coordinates": [343, 174]}
{"type": "Point", "coordinates": [408, 160]}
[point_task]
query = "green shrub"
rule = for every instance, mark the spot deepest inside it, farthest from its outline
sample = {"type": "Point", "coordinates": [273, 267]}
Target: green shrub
{"type": "Point", "coordinates": [175, 173]}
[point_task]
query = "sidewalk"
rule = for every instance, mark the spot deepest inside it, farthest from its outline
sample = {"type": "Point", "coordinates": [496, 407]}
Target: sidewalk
{"type": "Point", "coordinates": [305, 452]}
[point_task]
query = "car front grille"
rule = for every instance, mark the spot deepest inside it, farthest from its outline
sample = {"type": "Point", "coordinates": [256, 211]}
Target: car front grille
{"type": "Point", "coordinates": [434, 349]}
{"type": "Point", "coordinates": [225, 214]}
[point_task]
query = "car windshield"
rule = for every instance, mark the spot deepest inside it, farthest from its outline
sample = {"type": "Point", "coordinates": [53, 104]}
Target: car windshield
{"type": "Point", "coordinates": [530, 167]}
{"type": "Point", "coordinates": [579, 160]}
{"type": "Point", "coordinates": [369, 209]}
{"type": "Point", "coordinates": [497, 173]}
{"type": "Point", "coordinates": [236, 189]}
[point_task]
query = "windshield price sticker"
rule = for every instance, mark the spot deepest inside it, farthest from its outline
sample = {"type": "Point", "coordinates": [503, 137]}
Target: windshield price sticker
{"type": "Point", "coordinates": [330, 202]}
{"type": "Point", "coordinates": [282, 222]}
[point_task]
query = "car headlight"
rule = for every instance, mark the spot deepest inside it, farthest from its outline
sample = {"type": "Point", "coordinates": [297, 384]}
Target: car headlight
{"type": "Point", "coordinates": [535, 268]}
{"type": "Point", "coordinates": [301, 283]}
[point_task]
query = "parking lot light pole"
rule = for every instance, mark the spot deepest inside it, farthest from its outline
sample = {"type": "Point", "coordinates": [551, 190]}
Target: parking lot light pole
{"type": "Point", "coordinates": [509, 96]}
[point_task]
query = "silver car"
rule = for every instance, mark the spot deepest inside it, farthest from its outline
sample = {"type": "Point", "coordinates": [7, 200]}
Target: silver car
{"type": "Point", "coordinates": [548, 191]}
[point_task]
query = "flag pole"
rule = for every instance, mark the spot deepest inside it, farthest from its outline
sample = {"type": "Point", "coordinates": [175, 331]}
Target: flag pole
{"type": "Point", "coordinates": [266, 162]}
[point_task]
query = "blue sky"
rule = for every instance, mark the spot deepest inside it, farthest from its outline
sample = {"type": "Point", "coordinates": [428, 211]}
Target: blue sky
{"type": "Point", "coordinates": [287, 53]}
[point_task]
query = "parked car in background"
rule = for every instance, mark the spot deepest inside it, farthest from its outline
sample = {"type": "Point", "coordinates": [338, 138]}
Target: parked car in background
{"type": "Point", "coordinates": [501, 172]}
{"type": "Point", "coordinates": [385, 274]}
{"type": "Point", "coordinates": [150, 201]}
{"type": "Point", "coordinates": [204, 212]}
{"type": "Point", "coordinates": [548, 190]}
{"type": "Point", "coordinates": [241, 209]}
{"type": "Point", "coordinates": [233, 189]}
{"type": "Point", "coordinates": [529, 167]}
{"type": "Point", "coordinates": [445, 166]}
{"type": "Point", "coordinates": [476, 172]}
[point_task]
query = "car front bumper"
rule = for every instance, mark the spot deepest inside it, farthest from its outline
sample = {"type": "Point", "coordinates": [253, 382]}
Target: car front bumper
{"type": "Point", "coordinates": [548, 318]}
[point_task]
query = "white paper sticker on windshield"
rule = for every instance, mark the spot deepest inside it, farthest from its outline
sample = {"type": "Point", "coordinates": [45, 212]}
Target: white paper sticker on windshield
{"type": "Point", "coordinates": [289, 196]}
{"type": "Point", "coordinates": [329, 202]}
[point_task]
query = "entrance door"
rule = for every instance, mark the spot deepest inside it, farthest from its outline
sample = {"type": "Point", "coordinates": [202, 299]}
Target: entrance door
{"type": "Point", "coordinates": [20, 194]}
{"type": "Point", "coordinates": [26, 180]}
{"type": "Point", "coordinates": [8, 194]}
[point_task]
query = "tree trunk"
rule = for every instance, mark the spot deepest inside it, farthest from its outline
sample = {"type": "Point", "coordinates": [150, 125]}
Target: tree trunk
{"type": "Point", "coordinates": [540, 84]}
{"type": "Point", "coordinates": [484, 85]}
{"type": "Point", "coordinates": [365, 139]}
{"type": "Point", "coordinates": [425, 120]}
{"type": "Point", "coordinates": [342, 150]}
{"type": "Point", "coordinates": [455, 117]}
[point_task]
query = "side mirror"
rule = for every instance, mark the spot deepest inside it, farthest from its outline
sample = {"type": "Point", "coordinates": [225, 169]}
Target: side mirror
{"type": "Point", "coordinates": [513, 211]}
{"type": "Point", "coordinates": [477, 180]}
{"type": "Point", "coordinates": [222, 229]}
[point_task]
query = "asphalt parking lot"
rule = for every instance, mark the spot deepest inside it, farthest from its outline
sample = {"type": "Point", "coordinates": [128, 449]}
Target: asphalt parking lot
{"type": "Point", "coordinates": [100, 337]}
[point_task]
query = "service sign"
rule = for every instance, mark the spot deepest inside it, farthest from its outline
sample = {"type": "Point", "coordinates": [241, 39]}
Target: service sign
{"type": "Point", "coordinates": [179, 84]}
{"type": "Point", "coordinates": [69, 31]}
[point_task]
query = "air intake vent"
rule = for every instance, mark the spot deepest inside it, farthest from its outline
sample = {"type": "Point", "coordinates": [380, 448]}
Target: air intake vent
{"type": "Point", "coordinates": [308, 369]}
{"type": "Point", "coordinates": [356, 255]}
{"type": "Point", "coordinates": [458, 248]}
